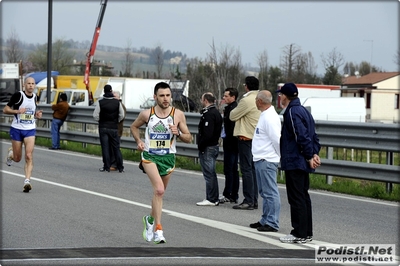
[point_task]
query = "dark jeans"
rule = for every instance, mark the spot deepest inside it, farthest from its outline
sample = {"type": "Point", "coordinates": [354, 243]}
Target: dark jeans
{"type": "Point", "coordinates": [250, 190]}
{"type": "Point", "coordinates": [208, 160]}
{"type": "Point", "coordinates": [112, 156]}
{"type": "Point", "coordinates": [56, 125]}
{"type": "Point", "coordinates": [109, 140]}
{"type": "Point", "coordinates": [231, 190]}
{"type": "Point", "coordinates": [297, 185]}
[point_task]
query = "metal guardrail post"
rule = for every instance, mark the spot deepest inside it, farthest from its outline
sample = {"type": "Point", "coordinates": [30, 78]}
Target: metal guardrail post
{"type": "Point", "coordinates": [389, 161]}
{"type": "Point", "coordinates": [329, 154]}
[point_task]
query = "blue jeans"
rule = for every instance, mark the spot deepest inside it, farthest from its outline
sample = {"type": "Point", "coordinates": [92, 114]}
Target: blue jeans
{"type": "Point", "coordinates": [250, 191]}
{"type": "Point", "coordinates": [109, 141]}
{"type": "Point", "coordinates": [231, 190]}
{"type": "Point", "coordinates": [208, 160]}
{"type": "Point", "coordinates": [56, 125]}
{"type": "Point", "coordinates": [266, 173]}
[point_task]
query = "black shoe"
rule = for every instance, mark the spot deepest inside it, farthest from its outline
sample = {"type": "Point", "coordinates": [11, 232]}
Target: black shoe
{"type": "Point", "coordinates": [243, 206]}
{"type": "Point", "coordinates": [51, 148]}
{"type": "Point", "coordinates": [255, 206]}
{"type": "Point", "coordinates": [104, 170]}
{"type": "Point", "coordinates": [233, 200]}
{"type": "Point", "coordinates": [266, 228]}
{"type": "Point", "coordinates": [255, 225]}
{"type": "Point", "coordinates": [121, 170]}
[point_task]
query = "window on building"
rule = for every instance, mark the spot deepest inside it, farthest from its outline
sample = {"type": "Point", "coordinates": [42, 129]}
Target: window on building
{"type": "Point", "coordinates": [396, 101]}
{"type": "Point", "coordinates": [368, 100]}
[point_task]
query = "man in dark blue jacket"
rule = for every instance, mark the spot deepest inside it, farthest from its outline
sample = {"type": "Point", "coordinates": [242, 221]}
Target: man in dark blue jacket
{"type": "Point", "coordinates": [210, 127]}
{"type": "Point", "coordinates": [299, 147]}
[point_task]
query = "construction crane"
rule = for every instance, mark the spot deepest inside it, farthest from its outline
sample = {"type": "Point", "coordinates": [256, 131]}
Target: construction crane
{"type": "Point", "coordinates": [92, 50]}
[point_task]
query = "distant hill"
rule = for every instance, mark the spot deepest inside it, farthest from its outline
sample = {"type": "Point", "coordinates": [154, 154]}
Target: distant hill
{"type": "Point", "coordinates": [143, 57]}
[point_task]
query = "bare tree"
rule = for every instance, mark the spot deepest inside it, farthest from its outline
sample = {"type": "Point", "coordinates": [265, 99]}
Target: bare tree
{"type": "Point", "coordinates": [128, 63]}
{"type": "Point", "coordinates": [14, 52]}
{"type": "Point", "coordinates": [305, 69]}
{"type": "Point", "coordinates": [262, 60]}
{"type": "Point", "coordinates": [202, 78]}
{"type": "Point", "coordinates": [333, 59]}
{"type": "Point", "coordinates": [288, 61]}
{"type": "Point", "coordinates": [227, 66]}
{"type": "Point", "coordinates": [332, 62]}
{"type": "Point", "coordinates": [159, 59]}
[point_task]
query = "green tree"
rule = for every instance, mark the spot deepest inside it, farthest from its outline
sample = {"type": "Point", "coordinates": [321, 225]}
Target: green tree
{"type": "Point", "coordinates": [332, 62]}
{"type": "Point", "coordinates": [350, 68]}
{"type": "Point", "coordinates": [62, 57]}
{"type": "Point", "coordinates": [275, 77]}
{"type": "Point", "coordinates": [177, 75]}
{"type": "Point", "coordinates": [332, 76]}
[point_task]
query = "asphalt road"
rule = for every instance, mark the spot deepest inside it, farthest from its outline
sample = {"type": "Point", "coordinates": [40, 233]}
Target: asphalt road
{"type": "Point", "coordinates": [76, 215]}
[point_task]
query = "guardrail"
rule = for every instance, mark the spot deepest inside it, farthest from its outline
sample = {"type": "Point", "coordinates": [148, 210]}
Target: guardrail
{"type": "Point", "coordinates": [364, 136]}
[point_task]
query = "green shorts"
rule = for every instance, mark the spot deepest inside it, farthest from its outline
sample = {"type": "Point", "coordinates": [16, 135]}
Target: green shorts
{"type": "Point", "coordinates": [165, 163]}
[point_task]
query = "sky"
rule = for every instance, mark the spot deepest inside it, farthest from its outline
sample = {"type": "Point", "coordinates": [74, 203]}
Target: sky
{"type": "Point", "coordinates": [359, 30]}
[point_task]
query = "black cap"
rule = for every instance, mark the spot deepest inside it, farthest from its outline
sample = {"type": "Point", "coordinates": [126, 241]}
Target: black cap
{"type": "Point", "coordinates": [289, 89]}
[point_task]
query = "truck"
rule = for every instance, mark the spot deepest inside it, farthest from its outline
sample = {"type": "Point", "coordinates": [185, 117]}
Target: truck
{"type": "Point", "coordinates": [344, 109]}
{"type": "Point", "coordinates": [75, 97]}
{"type": "Point", "coordinates": [313, 90]}
{"type": "Point", "coordinates": [134, 91]}
{"type": "Point", "coordinates": [10, 80]}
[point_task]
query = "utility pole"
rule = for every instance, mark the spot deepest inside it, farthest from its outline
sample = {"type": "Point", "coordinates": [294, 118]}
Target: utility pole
{"type": "Point", "coordinates": [370, 62]}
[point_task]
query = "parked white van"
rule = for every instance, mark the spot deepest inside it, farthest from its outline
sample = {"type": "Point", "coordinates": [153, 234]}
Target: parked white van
{"type": "Point", "coordinates": [345, 109]}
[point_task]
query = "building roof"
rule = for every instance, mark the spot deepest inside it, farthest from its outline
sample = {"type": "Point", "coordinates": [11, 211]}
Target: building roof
{"type": "Point", "coordinates": [369, 79]}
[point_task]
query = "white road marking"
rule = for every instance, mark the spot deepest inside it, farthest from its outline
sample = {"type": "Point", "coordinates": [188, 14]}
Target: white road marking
{"type": "Point", "coordinates": [271, 238]}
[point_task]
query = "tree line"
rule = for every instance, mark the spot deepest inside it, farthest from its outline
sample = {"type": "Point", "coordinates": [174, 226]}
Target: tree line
{"type": "Point", "coordinates": [221, 68]}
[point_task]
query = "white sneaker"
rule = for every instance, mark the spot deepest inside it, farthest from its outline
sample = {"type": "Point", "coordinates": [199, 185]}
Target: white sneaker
{"type": "Point", "coordinates": [9, 158]}
{"type": "Point", "coordinates": [292, 239]}
{"type": "Point", "coordinates": [207, 203]}
{"type": "Point", "coordinates": [27, 185]}
{"type": "Point", "coordinates": [148, 231]}
{"type": "Point", "coordinates": [159, 237]}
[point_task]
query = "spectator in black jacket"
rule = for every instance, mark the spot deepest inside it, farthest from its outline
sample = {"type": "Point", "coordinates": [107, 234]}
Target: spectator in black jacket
{"type": "Point", "coordinates": [109, 112]}
{"type": "Point", "coordinates": [231, 151]}
{"type": "Point", "coordinates": [207, 140]}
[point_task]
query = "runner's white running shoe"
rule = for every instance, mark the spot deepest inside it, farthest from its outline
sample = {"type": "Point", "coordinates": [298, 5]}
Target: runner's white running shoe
{"type": "Point", "coordinates": [148, 232]}
{"type": "Point", "coordinates": [292, 239]}
{"type": "Point", "coordinates": [27, 185]}
{"type": "Point", "coordinates": [9, 158]}
{"type": "Point", "coordinates": [159, 237]}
